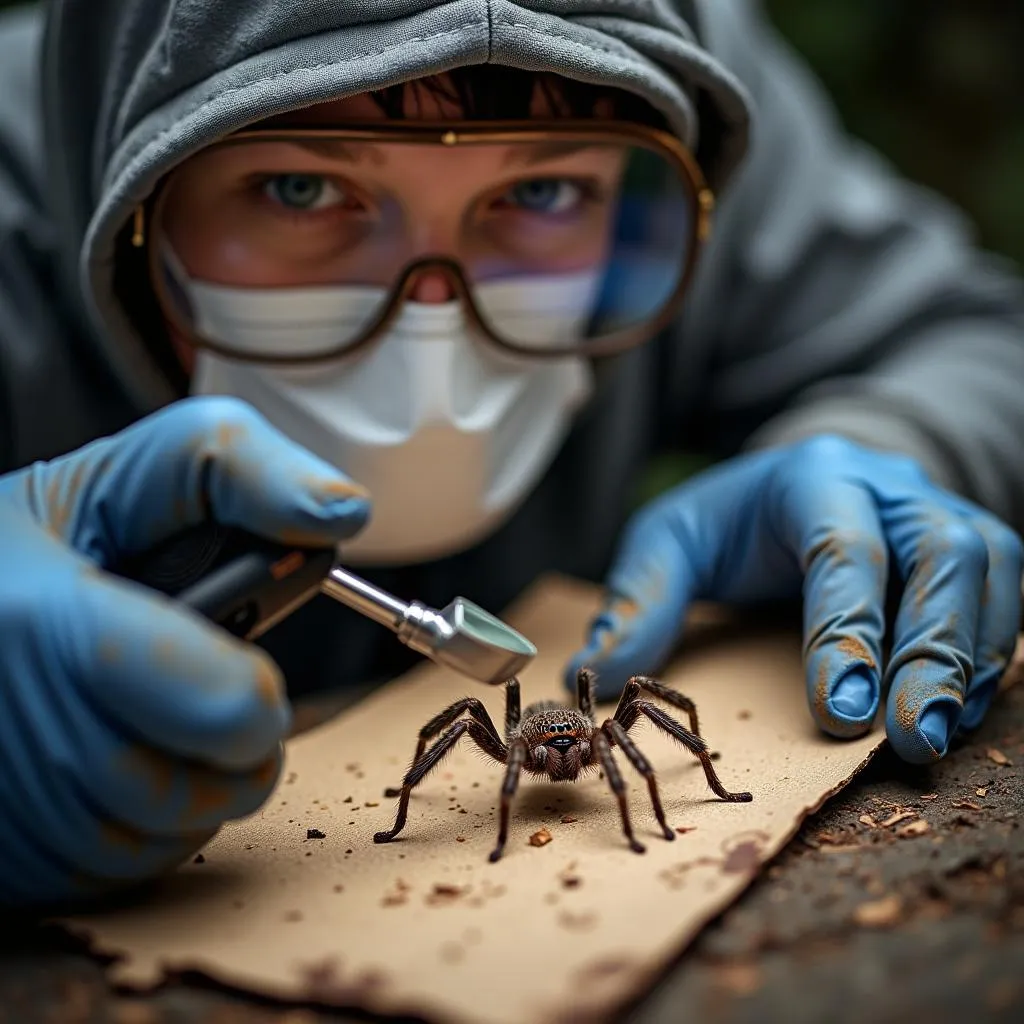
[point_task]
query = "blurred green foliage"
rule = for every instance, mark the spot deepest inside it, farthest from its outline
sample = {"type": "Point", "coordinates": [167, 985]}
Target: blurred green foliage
{"type": "Point", "coordinates": [935, 85]}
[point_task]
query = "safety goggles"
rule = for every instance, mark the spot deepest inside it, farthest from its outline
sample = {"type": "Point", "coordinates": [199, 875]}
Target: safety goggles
{"type": "Point", "coordinates": [567, 238]}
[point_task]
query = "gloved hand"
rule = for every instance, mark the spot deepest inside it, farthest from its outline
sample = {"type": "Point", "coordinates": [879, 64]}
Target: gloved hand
{"type": "Point", "coordinates": [831, 520]}
{"type": "Point", "coordinates": [130, 728]}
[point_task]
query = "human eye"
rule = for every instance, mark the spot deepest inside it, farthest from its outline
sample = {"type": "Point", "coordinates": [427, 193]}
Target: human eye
{"type": "Point", "coordinates": [304, 192]}
{"type": "Point", "coordinates": [546, 195]}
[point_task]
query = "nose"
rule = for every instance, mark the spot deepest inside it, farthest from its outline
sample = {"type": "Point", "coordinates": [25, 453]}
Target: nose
{"type": "Point", "coordinates": [432, 287]}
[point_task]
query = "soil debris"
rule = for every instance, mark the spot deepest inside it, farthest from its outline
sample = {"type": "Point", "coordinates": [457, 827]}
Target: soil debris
{"type": "Point", "coordinates": [898, 816]}
{"type": "Point", "coordinates": [540, 838]}
{"type": "Point", "coordinates": [577, 922]}
{"type": "Point", "coordinates": [883, 913]}
{"type": "Point", "coordinates": [315, 833]}
{"type": "Point", "coordinates": [915, 828]}
{"type": "Point", "coordinates": [741, 979]}
{"type": "Point", "coordinates": [398, 896]}
{"type": "Point", "coordinates": [569, 877]}
{"type": "Point", "coordinates": [443, 894]}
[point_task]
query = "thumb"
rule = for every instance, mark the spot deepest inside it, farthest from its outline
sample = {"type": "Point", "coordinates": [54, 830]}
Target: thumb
{"type": "Point", "coordinates": [649, 589]}
{"type": "Point", "coordinates": [121, 495]}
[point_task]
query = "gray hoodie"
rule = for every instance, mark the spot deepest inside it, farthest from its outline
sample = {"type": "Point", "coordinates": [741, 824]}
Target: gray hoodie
{"type": "Point", "coordinates": [833, 296]}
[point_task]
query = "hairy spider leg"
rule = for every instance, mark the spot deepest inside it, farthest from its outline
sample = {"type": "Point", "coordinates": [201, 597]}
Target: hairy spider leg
{"type": "Point", "coordinates": [517, 756]}
{"type": "Point", "coordinates": [601, 746]}
{"type": "Point", "coordinates": [585, 692]}
{"type": "Point", "coordinates": [442, 721]}
{"type": "Point", "coordinates": [483, 738]}
{"type": "Point", "coordinates": [693, 743]}
{"type": "Point", "coordinates": [654, 686]}
{"type": "Point", "coordinates": [617, 735]}
{"type": "Point", "coordinates": [513, 708]}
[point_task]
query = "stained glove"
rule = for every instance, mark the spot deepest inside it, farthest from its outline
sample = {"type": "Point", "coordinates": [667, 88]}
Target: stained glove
{"type": "Point", "coordinates": [829, 521]}
{"type": "Point", "coordinates": [130, 728]}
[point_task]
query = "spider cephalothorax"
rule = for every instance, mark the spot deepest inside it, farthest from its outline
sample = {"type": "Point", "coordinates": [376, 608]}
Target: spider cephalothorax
{"type": "Point", "coordinates": [561, 743]}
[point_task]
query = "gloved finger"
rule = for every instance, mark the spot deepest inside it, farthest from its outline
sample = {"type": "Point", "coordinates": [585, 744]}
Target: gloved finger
{"type": "Point", "coordinates": [649, 589]}
{"type": "Point", "coordinates": [123, 494]}
{"type": "Point", "coordinates": [836, 533]}
{"type": "Point", "coordinates": [89, 781]}
{"type": "Point", "coordinates": [161, 673]}
{"type": "Point", "coordinates": [1000, 614]}
{"type": "Point", "coordinates": [58, 852]}
{"type": "Point", "coordinates": [943, 560]}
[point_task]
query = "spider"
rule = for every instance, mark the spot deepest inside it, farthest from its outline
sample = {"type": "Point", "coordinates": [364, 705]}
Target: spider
{"type": "Point", "coordinates": [560, 742]}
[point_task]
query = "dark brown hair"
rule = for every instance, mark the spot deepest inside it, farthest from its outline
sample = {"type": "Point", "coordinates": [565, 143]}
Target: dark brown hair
{"type": "Point", "coordinates": [489, 92]}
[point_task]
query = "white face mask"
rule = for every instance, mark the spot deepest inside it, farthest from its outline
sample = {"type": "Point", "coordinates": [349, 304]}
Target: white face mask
{"type": "Point", "coordinates": [447, 434]}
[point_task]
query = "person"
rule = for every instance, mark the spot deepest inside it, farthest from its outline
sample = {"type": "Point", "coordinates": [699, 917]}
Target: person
{"type": "Point", "coordinates": [434, 282]}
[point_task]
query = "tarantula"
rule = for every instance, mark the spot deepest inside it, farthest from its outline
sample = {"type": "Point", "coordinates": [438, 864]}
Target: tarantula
{"type": "Point", "coordinates": [560, 742]}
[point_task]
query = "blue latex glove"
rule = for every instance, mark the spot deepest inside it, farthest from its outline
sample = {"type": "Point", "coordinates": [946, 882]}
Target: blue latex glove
{"type": "Point", "coordinates": [831, 521]}
{"type": "Point", "coordinates": [130, 728]}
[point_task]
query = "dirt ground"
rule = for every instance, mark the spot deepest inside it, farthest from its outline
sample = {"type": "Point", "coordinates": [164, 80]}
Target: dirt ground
{"type": "Point", "coordinates": [903, 897]}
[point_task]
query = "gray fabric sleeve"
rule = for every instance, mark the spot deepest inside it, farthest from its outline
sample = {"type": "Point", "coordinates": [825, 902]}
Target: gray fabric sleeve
{"type": "Point", "coordinates": [838, 298]}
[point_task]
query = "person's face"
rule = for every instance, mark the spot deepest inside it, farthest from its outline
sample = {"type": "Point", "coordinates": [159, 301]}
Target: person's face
{"type": "Point", "coordinates": [296, 213]}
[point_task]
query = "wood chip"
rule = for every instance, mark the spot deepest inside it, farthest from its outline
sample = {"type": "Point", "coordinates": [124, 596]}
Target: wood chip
{"type": "Point", "coordinates": [683, 829]}
{"type": "Point", "coordinates": [831, 837]}
{"type": "Point", "coordinates": [966, 805]}
{"type": "Point", "coordinates": [541, 838]}
{"type": "Point", "coordinates": [915, 828]}
{"type": "Point", "coordinates": [883, 913]}
{"type": "Point", "coordinates": [981, 792]}
{"type": "Point", "coordinates": [929, 796]}
{"type": "Point", "coordinates": [866, 819]}
{"type": "Point", "coordinates": [998, 757]}
{"type": "Point", "coordinates": [898, 816]}
{"type": "Point", "coordinates": [568, 819]}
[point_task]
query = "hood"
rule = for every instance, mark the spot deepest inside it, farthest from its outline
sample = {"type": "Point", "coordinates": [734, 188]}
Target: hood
{"type": "Point", "coordinates": [133, 87]}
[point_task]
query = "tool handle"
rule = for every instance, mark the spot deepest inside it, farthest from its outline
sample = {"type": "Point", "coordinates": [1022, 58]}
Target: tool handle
{"type": "Point", "coordinates": [238, 580]}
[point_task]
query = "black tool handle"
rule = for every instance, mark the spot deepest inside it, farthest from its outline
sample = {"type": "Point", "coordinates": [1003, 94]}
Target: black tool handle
{"type": "Point", "coordinates": [238, 580]}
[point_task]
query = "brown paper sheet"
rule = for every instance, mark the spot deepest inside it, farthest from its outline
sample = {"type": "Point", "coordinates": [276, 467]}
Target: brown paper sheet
{"type": "Point", "coordinates": [426, 925]}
